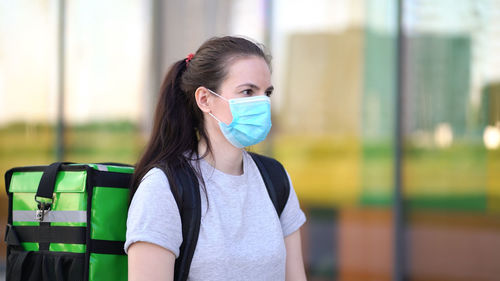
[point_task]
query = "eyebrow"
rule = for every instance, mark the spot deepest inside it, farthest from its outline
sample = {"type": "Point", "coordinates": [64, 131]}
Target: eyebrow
{"type": "Point", "coordinates": [270, 88]}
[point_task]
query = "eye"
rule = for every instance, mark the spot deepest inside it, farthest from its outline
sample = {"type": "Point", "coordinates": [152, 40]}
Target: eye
{"type": "Point", "coordinates": [269, 93]}
{"type": "Point", "coordinates": [247, 92]}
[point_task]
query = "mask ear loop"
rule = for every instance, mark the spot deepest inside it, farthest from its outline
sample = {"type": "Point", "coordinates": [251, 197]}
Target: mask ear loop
{"type": "Point", "coordinates": [219, 97]}
{"type": "Point", "coordinates": [215, 117]}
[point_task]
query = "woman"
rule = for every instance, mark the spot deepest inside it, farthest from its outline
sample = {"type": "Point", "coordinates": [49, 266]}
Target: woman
{"type": "Point", "coordinates": [203, 100]}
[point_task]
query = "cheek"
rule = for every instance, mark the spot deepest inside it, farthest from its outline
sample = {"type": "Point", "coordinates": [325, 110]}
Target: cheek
{"type": "Point", "coordinates": [223, 112]}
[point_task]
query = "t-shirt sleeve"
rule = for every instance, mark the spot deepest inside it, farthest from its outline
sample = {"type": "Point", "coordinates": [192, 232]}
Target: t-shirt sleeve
{"type": "Point", "coordinates": [153, 215]}
{"type": "Point", "coordinates": [292, 217]}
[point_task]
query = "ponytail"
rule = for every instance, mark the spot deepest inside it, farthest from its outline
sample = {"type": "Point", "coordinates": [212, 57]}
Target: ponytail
{"type": "Point", "coordinates": [174, 128]}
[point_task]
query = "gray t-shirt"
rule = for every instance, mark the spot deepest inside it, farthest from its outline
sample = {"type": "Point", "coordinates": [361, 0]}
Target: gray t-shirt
{"type": "Point", "coordinates": [241, 236]}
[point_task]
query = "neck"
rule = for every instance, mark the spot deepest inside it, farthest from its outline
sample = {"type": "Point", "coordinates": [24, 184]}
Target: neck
{"type": "Point", "coordinates": [223, 156]}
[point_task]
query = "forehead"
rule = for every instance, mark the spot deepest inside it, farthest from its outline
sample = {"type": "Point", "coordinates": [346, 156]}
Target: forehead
{"type": "Point", "coordinates": [251, 69]}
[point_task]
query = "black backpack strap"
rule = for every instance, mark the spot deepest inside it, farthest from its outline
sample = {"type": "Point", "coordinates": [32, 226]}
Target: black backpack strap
{"type": "Point", "coordinates": [186, 192]}
{"type": "Point", "coordinates": [275, 179]}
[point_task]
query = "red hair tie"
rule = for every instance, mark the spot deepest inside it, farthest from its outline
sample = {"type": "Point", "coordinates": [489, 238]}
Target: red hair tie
{"type": "Point", "coordinates": [189, 58]}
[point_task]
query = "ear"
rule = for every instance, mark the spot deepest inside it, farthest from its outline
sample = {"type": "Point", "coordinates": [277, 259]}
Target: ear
{"type": "Point", "coordinates": [202, 96]}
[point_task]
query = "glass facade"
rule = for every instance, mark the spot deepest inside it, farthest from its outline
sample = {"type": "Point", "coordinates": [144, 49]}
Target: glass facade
{"type": "Point", "coordinates": [337, 76]}
{"type": "Point", "coordinates": [452, 227]}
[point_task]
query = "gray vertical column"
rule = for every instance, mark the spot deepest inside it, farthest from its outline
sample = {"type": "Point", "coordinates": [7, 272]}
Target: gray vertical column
{"type": "Point", "coordinates": [269, 23]}
{"type": "Point", "coordinates": [178, 28]}
{"type": "Point", "coordinates": [60, 79]}
{"type": "Point", "coordinates": [268, 13]}
{"type": "Point", "coordinates": [157, 57]}
{"type": "Point", "coordinates": [399, 241]}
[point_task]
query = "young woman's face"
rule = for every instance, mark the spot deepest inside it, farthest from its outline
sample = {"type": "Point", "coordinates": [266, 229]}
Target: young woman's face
{"type": "Point", "coordinates": [247, 77]}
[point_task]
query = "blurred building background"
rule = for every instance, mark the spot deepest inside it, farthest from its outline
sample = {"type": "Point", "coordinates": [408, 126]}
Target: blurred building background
{"type": "Point", "coordinates": [344, 80]}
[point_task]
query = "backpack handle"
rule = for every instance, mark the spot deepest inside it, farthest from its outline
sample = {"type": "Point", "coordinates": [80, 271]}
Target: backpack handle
{"type": "Point", "coordinates": [47, 184]}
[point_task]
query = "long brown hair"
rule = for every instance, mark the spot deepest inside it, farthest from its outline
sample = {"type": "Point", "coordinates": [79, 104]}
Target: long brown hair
{"type": "Point", "coordinates": [178, 123]}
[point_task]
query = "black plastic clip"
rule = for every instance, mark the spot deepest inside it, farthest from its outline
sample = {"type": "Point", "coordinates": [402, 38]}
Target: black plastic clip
{"type": "Point", "coordinates": [11, 236]}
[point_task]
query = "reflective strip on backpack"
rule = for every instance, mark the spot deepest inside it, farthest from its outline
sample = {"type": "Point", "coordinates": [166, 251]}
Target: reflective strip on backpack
{"type": "Point", "coordinates": [51, 216]}
{"type": "Point", "coordinates": [101, 167]}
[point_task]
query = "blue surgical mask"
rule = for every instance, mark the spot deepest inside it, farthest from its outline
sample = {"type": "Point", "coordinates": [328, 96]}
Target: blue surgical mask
{"type": "Point", "coordinates": [251, 120]}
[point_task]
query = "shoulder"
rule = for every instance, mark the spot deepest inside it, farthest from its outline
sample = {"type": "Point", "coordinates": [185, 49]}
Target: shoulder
{"type": "Point", "coordinates": [275, 178]}
{"type": "Point", "coordinates": [153, 184]}
{"type": "Point", "coordinates": [154, 178]}
{"type": "Point", "coordinates": [152, 193]}
{"type": "Point", "coordinates": [270, 168]}
{"type": "Point", "coordinates": [153, 215]}
{"type": "Point", "coordinates": [154, 175]}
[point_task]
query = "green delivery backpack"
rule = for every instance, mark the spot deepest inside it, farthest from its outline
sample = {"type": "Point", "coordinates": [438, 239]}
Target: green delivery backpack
{"type": "Point", "coordinates": [67, 222]}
